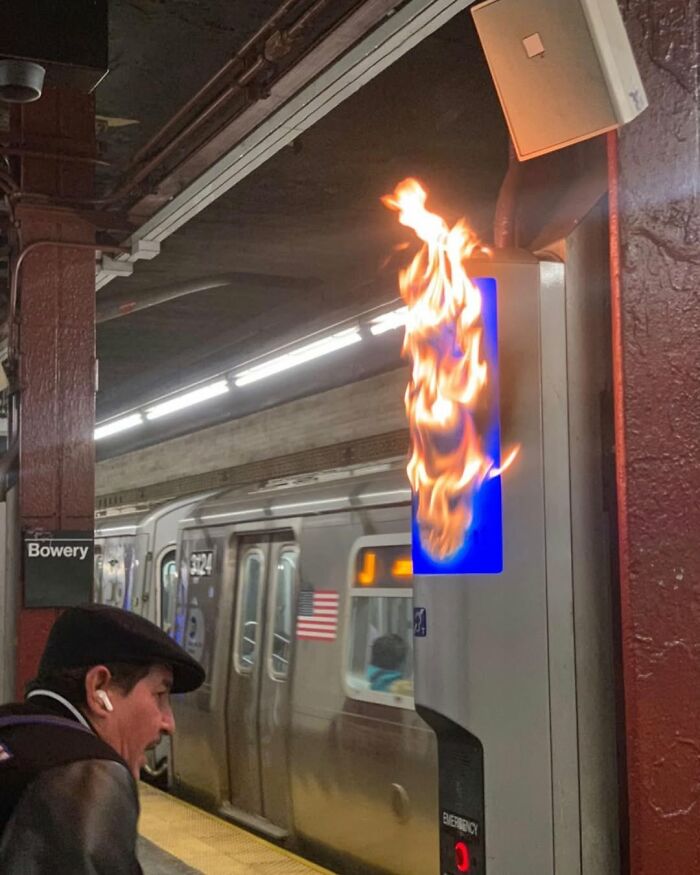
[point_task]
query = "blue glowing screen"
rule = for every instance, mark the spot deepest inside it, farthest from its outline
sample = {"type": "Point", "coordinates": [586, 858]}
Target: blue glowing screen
{"type": "Point", "coordinates": [482, 551]}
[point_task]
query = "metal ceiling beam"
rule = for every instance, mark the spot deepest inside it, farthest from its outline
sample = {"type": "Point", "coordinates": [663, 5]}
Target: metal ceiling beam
{"type": "Point", "coordinates": [296, 108]}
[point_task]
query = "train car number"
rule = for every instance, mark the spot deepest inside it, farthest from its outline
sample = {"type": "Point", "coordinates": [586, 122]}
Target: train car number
{"type": "Point", "coordinates": [201, 563]}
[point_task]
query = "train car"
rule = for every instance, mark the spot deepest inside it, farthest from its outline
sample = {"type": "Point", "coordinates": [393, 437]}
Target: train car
{"type": "Point", "coordinates": [298, 602]}
{"type": "Point", "coordinates": [288, 597]}
{"type": "Point", "coordinates": [135, 565]}
{"type": "Point", "coordinates": [136, 569]}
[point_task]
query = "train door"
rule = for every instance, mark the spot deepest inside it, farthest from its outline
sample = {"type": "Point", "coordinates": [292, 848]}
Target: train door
{"type": "Point", "coordinates": [258, 697]}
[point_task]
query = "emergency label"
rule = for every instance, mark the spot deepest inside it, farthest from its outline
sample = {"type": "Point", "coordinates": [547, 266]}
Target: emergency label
{"type": "Point", "coordinates": [462, 824]}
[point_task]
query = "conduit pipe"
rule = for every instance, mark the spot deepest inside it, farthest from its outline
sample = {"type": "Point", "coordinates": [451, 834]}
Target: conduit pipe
{"type": "Point", "coordinates": [14, 283]}
{"type": "Point", "coordinates": [124, 303]}
{"type": "Point", "coordinates": [228, 67]}
{"type": "Point", "coordinates": [135, 173]}
{"type": "Point", "coordinates": [23, 152]}
{"type": "Point", "coordinates": [505, 217]}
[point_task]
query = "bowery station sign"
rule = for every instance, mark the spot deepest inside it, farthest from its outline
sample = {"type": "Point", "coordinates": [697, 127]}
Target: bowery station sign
{"type": "Point", "coordinates": [58, 568]}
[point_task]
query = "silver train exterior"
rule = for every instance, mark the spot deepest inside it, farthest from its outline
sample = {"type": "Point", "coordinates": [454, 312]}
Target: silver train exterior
{"type": "Point", "coordinates": [135, 552]}
{"type": "Point", "coordinates": [282, 593]}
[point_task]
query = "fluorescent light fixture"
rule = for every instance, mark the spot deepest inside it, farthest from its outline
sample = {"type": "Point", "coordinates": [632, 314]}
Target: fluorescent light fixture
{"type": "Point", "coordinates": [298, 356]}
{"type": "Point", "coordinates": [389, 321]}
{"type": "Point", "coordinates": [188, 399]}
{"type": "Point", "coordinates": [313, 503]}
{"type": "Point", "coordinates": [218, 516]}
{"type": "Point", "coordinates": [404, 493]}
{"type": "Point", "coordinates": [118, 425]}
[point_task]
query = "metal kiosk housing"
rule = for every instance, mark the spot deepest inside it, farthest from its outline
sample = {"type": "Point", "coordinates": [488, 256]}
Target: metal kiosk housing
{"type": "Point", "coordinates": [503, 674]}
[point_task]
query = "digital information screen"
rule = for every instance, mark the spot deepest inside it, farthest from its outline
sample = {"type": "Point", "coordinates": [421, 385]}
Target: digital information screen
{"type": "Point", "coordinates": [482, 551]}
{"type": "Point", "coordinates": [385, 567]}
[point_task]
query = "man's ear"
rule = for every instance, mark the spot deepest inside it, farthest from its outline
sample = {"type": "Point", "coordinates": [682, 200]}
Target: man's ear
{"type": "Point", "coordinates": [97, 681]}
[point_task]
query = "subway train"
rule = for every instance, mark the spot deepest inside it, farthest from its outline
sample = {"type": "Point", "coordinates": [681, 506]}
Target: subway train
{"type": "Point", "coordinates": [285, 593]}
{"type": "Point", "coordinates": [297, 599]}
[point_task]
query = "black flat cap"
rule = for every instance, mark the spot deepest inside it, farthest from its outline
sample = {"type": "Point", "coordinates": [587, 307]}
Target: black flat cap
{"type": "Point", "coordinates": [97, 634]}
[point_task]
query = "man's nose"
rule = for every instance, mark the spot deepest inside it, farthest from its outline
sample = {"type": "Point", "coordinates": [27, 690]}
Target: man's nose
{"type": "Point", "coordinates": [168, 722]}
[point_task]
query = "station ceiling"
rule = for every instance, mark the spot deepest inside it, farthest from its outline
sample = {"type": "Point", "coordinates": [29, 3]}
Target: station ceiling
{"type": "Point", "coordinates": [304, 239]}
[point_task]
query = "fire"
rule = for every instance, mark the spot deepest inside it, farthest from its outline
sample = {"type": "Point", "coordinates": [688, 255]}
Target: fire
{"type": "Point", "coordinates": [449, 375]}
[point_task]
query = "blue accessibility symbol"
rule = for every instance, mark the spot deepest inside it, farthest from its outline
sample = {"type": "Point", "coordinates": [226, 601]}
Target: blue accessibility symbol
{"type": "Point", "coordinates": [420, 622]}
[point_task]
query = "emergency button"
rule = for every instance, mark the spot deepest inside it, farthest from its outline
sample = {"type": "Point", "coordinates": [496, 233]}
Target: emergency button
{"type": "Point", "coordinates": [462, 857]}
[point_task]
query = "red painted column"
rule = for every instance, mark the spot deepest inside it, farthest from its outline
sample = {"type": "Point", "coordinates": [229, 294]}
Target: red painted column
{"type": "Point", "coordinates": [56, 365]}
{"type": "Point", "coordinates": [655, 213]}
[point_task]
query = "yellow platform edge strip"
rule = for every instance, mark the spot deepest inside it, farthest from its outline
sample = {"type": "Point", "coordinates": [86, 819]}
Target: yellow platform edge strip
{"type": "Point", "coordinates": [146, 791]}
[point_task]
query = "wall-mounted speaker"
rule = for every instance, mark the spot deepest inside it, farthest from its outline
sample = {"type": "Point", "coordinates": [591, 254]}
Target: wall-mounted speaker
{"type": "Point", "coordinates": [564, 69]}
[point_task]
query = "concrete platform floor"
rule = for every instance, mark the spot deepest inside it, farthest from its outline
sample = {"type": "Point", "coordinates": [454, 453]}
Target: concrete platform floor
{"type": "Point", "coordinates": [179, 839]}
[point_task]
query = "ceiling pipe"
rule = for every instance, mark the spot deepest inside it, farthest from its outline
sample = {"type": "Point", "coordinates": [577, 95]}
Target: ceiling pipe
{"type": "Point", "coordinates": [277, 46]}
{"type": "Point", "coordinates": [125, 302]}
{"type": "Point", "coordinates": [295, 30]}
{"type": "Point", "coordinates": [187, 108]}
{"type": "Point", "coordinates": [13, 311]}
{"type": "Point", "coordinates": [7, 183]}
{"type": "Point", "coordinates": [21, 151]}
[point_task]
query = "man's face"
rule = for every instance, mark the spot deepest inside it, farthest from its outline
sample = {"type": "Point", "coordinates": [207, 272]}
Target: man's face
{"type": "Point", "coordinates": [141, 717]}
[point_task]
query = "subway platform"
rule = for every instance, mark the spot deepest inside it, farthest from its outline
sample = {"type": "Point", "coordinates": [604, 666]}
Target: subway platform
{"type": "Point", "coordinates": [176, 838]}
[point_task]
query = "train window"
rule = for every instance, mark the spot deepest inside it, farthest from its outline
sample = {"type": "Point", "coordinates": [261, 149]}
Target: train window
{"type": "Point", "coordinates": [168, 591]}
{"type": "Point", "coordinates": [380, 658]}
{"type": "Point", "coordinates": [121, 572]}
{"type": "Point", "coordinates": [282, 612]}
{"type": "Point", "coordinates": [252, 569]}
{"type": "Point", "coordinates": [114, 574]}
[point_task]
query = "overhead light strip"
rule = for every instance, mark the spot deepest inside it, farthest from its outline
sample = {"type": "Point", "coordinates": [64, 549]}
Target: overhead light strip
{"type": "Point", "coordinates": [389, 321]}
{"type": "Point", "coordinates": [302, 354]}
{"type": "Point", "coordinates": [116, 425]}
{"type": "Point", "coordinates": [265, 367]}
{"type": "Point", "coordinates": [187, 399]}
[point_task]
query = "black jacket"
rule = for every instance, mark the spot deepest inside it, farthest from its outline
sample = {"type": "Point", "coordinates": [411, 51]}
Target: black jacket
{"type": "Point", "coordinates": [68, 802]}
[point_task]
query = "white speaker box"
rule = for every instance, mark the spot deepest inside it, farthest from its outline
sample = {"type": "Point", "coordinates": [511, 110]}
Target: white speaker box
{"type": "Point", "coordinates": [563, 69]}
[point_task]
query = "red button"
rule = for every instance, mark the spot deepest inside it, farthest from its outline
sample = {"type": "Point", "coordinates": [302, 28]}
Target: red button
{"type": "Point", "coordinates": [462, 857]}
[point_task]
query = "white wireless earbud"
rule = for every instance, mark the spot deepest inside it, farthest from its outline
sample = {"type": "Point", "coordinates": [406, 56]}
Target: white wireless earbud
{"type": "Point", "coordinates": [104, 698]}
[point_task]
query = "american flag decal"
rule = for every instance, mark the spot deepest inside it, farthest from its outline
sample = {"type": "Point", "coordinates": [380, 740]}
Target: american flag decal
{"type": "Point", "coordinates": [318, 615]}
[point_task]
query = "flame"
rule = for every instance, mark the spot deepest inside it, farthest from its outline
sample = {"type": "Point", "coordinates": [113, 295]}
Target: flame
{"type": "Point", "coordinates": [443, 339]}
